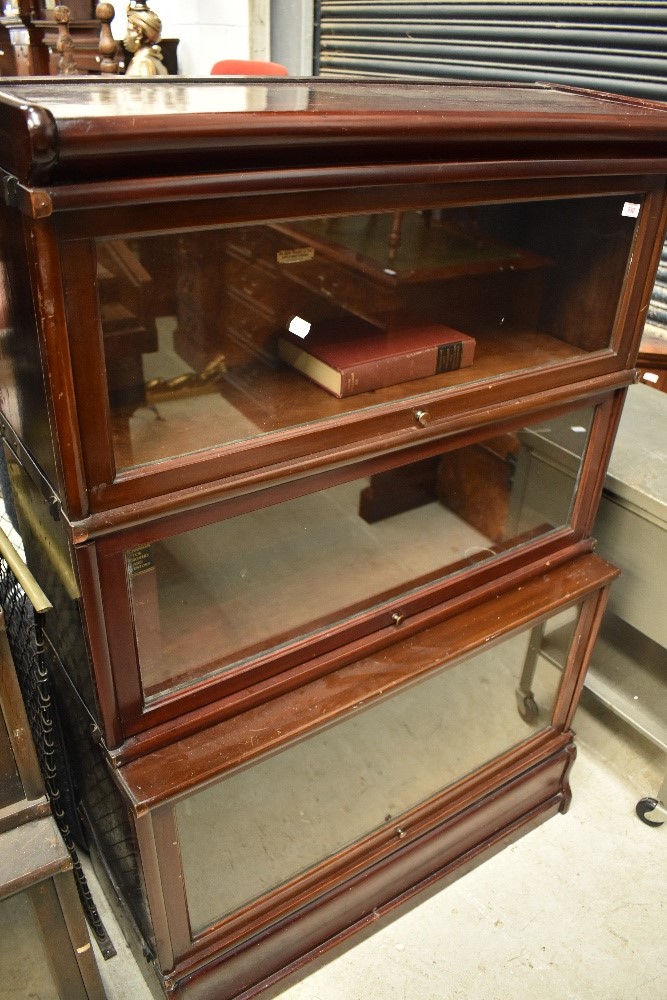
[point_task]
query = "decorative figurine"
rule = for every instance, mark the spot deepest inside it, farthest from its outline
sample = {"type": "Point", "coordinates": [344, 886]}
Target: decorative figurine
{"type": "Point", "coordinates": [144, 30]}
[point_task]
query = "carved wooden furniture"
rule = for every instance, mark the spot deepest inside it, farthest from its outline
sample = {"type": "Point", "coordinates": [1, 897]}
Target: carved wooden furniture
{"type": "Point", "coordinates": [289, 627]}
{"type": "Point", "coordinates": [32, 33]}
{"type": "Point", "coordinates": [31, 28]}
{"type": "Point", "coordinates": [33, 857]}
{"type": "Point", "coordinates": [23, 51]}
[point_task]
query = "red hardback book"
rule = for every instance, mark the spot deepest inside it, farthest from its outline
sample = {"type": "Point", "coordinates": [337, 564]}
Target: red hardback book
{"type": "Point", "coordinates": [349, 356]}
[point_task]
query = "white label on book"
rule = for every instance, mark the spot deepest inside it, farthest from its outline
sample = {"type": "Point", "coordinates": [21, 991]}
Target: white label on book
{"type": "Point", "coordinates": [630, 210]}
{"type": "Point", "coordinates": [299, 327]}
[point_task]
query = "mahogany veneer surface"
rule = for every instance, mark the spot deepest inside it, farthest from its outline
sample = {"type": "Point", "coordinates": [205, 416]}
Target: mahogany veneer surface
{"type": "Point", "coordinates": [153, 229]}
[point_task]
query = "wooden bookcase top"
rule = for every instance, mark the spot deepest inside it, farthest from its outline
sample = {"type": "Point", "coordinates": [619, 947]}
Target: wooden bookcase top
{"type": "Point", "coordinates": [56, 131]}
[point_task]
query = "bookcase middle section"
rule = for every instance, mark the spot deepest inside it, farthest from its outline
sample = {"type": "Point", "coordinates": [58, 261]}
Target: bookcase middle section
{"type": "Point", "coordinates": [219, 607]}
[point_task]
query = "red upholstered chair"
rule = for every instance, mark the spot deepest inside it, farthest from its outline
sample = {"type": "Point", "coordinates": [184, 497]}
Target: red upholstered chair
{"type": "Point", "coordinates": [247, 67]}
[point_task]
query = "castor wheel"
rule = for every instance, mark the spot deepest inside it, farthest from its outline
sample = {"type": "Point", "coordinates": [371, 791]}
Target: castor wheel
{"type": "Point", "coordinates": [528, 709]}
{"type": "Point", "coordinates": [645, 806]}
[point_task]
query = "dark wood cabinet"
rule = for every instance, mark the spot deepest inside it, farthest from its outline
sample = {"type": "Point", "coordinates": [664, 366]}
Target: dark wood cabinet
{"type": "Point", "coordinates": [290, 626]}
{"type": "Point", "coordinates": [652, 362]}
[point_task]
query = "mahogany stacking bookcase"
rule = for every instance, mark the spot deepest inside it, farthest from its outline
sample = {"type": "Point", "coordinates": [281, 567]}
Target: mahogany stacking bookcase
{"type": "Point", "coordinates": [291, 622]}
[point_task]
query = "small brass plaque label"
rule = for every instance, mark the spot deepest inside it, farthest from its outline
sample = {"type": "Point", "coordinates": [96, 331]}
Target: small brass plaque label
{"type": "Point", "coordinates": [140, 559]}
{"type": "Point", "coordinates": [296, 255]}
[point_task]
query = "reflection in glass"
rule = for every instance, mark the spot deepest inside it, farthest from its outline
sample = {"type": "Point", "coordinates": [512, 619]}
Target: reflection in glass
{"type": "Point", "coordinates": [267, 824]}
{"type": "Point", "coordinates": [193, 322]}
{"type": "Point", "coordinates": [220, 594]}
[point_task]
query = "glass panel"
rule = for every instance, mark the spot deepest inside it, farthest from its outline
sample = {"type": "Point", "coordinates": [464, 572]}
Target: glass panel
{"type": "Point", "coordinates": [225, 335]}
{"type": "Point", "coordinates": [220, 594]}
{"type": "Point", "coordinates": [278, 818]}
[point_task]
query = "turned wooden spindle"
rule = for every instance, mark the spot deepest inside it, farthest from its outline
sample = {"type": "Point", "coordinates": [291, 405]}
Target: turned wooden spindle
{"type": "Point", "coordinates": [65, 44]}
{"type": "Point", "coordinates": [395, 236]}
{"type": "Point", "coordinates": [108, 47]}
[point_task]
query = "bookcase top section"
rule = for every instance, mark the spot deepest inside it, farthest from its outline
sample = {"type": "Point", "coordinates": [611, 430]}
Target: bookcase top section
{"type": "Point", "coordinates": [69, 130]}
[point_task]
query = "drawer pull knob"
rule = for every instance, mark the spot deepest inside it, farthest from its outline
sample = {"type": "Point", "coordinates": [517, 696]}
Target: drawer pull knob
{"type": "Point", "coordinates": [422, 417]}
{"type": "Point", "coordinates": [397, 618]}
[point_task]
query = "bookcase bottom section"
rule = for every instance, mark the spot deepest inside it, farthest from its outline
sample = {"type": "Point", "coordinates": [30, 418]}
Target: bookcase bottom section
{"type": "Point", "coordinates": [293, 946]}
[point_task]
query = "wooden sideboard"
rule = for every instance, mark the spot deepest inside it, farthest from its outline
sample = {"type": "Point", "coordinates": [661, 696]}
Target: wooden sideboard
{"type": "Point", "coordinates": [289, 625]}
{"type": "Point", "coordinates": [652, 362]}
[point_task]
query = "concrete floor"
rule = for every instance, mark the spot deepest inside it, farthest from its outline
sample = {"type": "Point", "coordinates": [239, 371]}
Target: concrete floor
{"type": "Point", "coordinates": [576, 909]}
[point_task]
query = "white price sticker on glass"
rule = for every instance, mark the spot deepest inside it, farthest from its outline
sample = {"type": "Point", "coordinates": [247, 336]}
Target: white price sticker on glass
{"type": "Point", "coordinates": [631, 210]}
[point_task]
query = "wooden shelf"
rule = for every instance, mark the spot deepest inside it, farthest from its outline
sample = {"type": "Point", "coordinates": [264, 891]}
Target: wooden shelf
{"type": "Point", "coordinates": [235, 742]}
{"type": "Point", "coordinates": [255, 399]}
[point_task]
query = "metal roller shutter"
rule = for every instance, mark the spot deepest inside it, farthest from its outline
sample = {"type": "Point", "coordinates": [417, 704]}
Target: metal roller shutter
{"type": "Point", "coordinates": [609, 46]}
{"type": "Point", "coordinates": [615, 46]}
